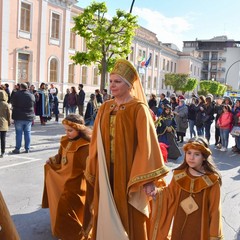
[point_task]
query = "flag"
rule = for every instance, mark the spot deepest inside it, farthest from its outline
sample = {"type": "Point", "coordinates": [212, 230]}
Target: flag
{"type": "Point", "coordinates": [140, 58]}
{"type": "Point", "coordinates": [148, 61]}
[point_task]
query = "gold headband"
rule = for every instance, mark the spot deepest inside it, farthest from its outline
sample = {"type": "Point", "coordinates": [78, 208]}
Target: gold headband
{"type": "Point", "coordinates": [125, 70]}
{"type": "Point", "coordinates": [197, 146]}
{"type": "Point", "coordinates": [74, 125]}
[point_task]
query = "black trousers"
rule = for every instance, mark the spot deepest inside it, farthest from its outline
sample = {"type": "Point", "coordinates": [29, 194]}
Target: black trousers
{"type": "Point", "coordinates": [3, 141]}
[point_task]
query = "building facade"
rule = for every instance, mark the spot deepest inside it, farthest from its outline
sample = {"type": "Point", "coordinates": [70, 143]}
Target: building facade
{"type": "Point", "coordinates": [221, 59]}
{"type": "Point", "coordinates": [36, 45]}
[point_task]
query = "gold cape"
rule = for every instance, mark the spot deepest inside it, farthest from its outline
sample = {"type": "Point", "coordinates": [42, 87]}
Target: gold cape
{"type": "Point", "coordinates": [137, 160]}
{"type": "Point", "coordinates": [65, 188]}
{"type": "Point", "coordinates": [206, 220]}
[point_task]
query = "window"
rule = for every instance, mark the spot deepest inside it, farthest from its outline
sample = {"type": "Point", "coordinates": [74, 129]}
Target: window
{"type": "Point", "coordinates": [168, 65]}
{"type": "Point", "coordinates": [95, 76]}
{"type": "Point", "coordinates": [155, 83]}
{"type": "Point", "coordinates": [156, 61]}
{"type": "Point", "coordinates": [71, 73]}
{"type": "Point", "coordinates": [175, 67]}
{"type": "Point", "coordinates": [140, 53]}
{"type": "Point", "coordinates": [131, 54]}
{"type": "Point", "coordinates": [84, 45]}
{"type": "Point", "coordinates": [163, 65]}
{"type": "Point", "coordinates": [84, 75]}
{"type": "Point", "coordinates": [72, 40]}
{"type": "Point", "coordinates": [149, 82]}
{"type": "Point", "coordinates": [55, 28]}
{"type": "Point", "coordinates": [214, 55]}
{"type": "Point", "coordinates": [23, 67]}
{"type": "Point", "coordinates": [144, 54]}
{"type": "Point", "coordinates": [171, 68]}
{"type": "Point", "coordinates": [53, 70]}
{"type": "Point", "coordinates": [25, 17]}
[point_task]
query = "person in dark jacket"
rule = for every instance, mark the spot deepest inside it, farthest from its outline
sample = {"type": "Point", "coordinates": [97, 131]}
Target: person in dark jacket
{"type": "Point", "coordinates": [218, 109]}
{"type": "Point", "coordinates": [80, 99]}
{"type": "Point", "coordinates": [23, 114]}
{"type": "Point", "coordinates": [152, 103]}
{"type": "Point", "coordinates": [6, 88]}
{"type": "Point", "coordinates": [91, 111]}
{"type": "Point", "coordinates": [99, 97]}
{"type": "Point", "coordinates": [208, 117]}
{"type": "Point", "coordinates": [65, 102]}
{"type": "Point", "coordinates": [192, 117]}
{"type": "Point", "coordinates": [55, 107]}
{"type": "Point", "coordinates": [199, 108]}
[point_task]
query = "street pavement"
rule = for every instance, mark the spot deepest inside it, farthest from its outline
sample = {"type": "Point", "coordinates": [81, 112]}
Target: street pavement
{"type": "Point", "coordinates": [21, 182]}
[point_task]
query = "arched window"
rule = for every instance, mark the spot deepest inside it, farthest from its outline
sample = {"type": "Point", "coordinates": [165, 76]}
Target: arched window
{"type": "Point", "coordinates": [53, 70]}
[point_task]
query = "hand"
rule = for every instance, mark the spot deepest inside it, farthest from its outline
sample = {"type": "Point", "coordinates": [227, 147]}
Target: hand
{"type": "Point", "coordinates": [169, 129]}
{"type": "Point", "coordinates": [150, 190]}
{"type": "Point", "coordinates": [48, 161]}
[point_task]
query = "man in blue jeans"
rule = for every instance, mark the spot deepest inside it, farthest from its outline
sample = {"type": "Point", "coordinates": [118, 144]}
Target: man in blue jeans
{"type": "Point", "coordinates": [23, 115]}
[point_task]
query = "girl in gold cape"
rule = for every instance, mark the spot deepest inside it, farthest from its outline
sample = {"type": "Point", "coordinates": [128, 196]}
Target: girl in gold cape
{"type": "Point", "coordinates": [65, 185]}
{"type": "Point", "coordinates": [191, 202]}
{"type": "Point", "coordinates": [124, 157]}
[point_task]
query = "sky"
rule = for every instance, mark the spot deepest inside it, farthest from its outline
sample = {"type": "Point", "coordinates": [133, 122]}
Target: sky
{"type": "Point", "coordinates": [175, 21]}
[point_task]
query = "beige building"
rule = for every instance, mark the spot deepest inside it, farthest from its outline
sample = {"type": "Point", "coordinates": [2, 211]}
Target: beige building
{"type": "Point", "coordinates": [220, 56]}
{"type": "Point", "coordinates": [36, 45]}
{"type": "Point", "coordinates": [165, 58]}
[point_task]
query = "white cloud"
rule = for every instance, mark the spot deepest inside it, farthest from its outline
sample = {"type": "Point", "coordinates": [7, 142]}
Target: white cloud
{"type": "Point", "coordinates": [168, 30]}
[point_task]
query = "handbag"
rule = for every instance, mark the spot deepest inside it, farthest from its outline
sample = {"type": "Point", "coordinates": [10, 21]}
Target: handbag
{"type": "Point", "coordinates": [235, 131]}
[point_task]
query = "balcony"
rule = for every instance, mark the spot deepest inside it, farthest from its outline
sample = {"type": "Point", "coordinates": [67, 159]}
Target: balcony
{"type": "Point", "coordinates": [221, 69]}
{"type": "Point", "coordinates": [213, 69]}
{"type": "Point", "coordinates": [222, 59]}
{"type": "Point", "coordinates": [204, 69]}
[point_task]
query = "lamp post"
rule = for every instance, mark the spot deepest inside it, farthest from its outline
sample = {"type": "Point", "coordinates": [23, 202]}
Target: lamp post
{"type": "Point", "coordinates": [132, 6]}
{"type": "Point", "coordinates": [225, 81]}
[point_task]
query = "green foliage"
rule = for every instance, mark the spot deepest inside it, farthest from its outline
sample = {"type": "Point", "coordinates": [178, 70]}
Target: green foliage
{"type": "Point", "coordinates": [222, 89]}
{"type": "Point", "coordinates": [213, 87]}
{"type": "Point", "coordinates": [176, 80]}
{"type": "Point", "coordinates": [190, 85]}
{"type": "Point", "coordinates": [106, 40]}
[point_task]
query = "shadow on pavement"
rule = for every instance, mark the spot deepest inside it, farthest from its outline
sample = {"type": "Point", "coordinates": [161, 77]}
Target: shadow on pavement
{"type": "Point", "coordinates": [35, 224]}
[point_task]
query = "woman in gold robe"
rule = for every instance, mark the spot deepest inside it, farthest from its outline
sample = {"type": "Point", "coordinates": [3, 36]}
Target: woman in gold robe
{"type": "Point", "coordinates": [65, 185]}
{"type": "Point", "coordinates": [124, 160]}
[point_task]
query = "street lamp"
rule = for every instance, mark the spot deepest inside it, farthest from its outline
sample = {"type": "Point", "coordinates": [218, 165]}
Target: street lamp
{"type": "Point", "coordinates": [225, 81]}
{"type": "Point", "coordinates": [132, 6]}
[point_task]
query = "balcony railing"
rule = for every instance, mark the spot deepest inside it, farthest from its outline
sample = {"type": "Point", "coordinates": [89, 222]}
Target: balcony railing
{"type": "Point", "coordinates": [221, 69]}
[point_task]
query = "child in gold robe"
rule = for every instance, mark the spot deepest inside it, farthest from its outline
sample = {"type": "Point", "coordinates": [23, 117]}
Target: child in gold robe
{"type": "Point", "coordinates": [64, 187]}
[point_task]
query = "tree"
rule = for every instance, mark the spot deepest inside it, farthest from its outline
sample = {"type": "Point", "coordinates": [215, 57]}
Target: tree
{"type": "Point", "coordinates": [213, 87]}
{"type": "Point", "coordinates": [176, 80]}
{"type": "Point", "coordinates": [190, 85]}
{"type": "Point", "coordinates": [106, 40]}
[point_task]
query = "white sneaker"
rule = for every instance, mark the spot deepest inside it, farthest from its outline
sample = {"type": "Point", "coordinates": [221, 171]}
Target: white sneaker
{"type": "Point", "coordinates": [223, 149]}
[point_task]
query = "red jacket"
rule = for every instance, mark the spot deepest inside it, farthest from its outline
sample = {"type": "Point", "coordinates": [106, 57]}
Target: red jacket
{"type": "Point", "coordinates": [225, 120]}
